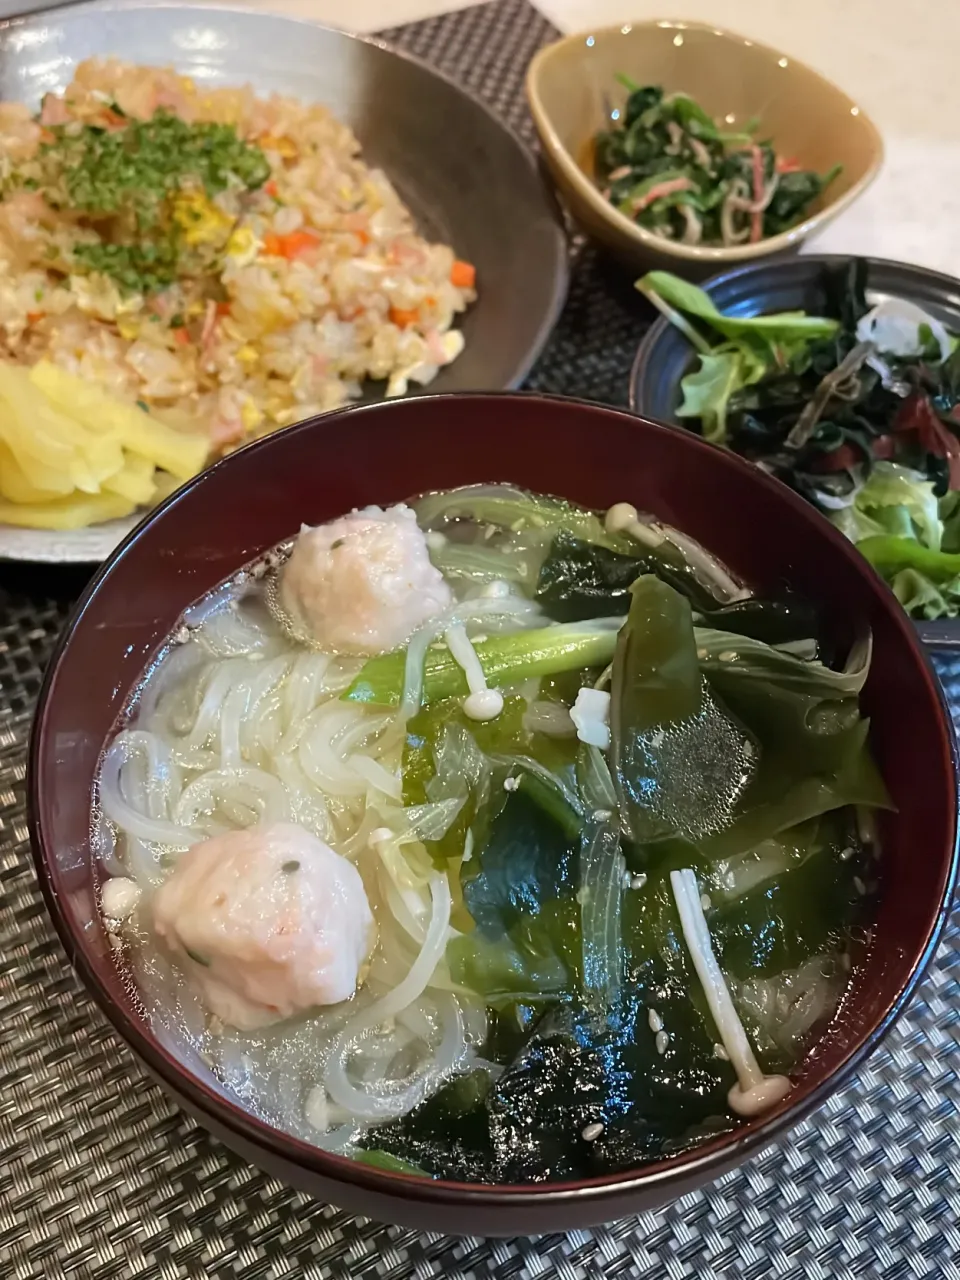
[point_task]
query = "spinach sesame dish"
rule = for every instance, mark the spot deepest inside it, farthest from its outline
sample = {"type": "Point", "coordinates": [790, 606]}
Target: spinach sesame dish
{"type": "Point", "coordinates": [199, 266]}
{"type": "Point", "coordinates": [553, 861]}
{"type": "Point", "coordinates": [673, 170]}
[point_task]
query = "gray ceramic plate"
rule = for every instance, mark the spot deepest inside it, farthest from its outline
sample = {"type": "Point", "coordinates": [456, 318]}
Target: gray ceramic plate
{"type": "Point", "coordinates": [786, 284]}
{"type": "Point", "coordinates": [469, 181]}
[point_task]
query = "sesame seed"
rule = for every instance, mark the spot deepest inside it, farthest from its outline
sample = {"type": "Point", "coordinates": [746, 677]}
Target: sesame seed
{"type": "Point", "coordinates": [705, 901]}
{"type": "Point", "coordinates": [511, 784]}
{"type": "Point", "coordinates": [591, 1131]}
{"type": "Point", "coordinates": [860, 887]}
{"type": "Point", "coordinates": [846, 854]}
{"type": "Point", "coordinates": [662, 1041]}
{"type": "Point", "coordinates": [638, 881]}
{"type": "Point", "coordinates": [655, 1021]}
{"type": "Point", "coordinates": [728, 655]}
{"type": "Point", "coordinates": [720, 1052]}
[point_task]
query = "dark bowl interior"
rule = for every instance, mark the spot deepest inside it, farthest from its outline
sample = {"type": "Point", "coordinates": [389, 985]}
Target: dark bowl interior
{"type": "Point", "coordinates": [784, 284]}
{"type": "Point", "coordinates": [466, 177]}
{"type": "Point", "coordinates": [595, 455]}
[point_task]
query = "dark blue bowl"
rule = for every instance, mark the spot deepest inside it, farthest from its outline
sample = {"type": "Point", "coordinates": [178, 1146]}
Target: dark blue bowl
{"type": "Point", "coordinates": [793, 283]}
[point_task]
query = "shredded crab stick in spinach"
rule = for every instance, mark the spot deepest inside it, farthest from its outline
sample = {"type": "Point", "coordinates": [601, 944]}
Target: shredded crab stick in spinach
{"type": "Point", "coordinates": [666, 165]}
{"type": "Point", "coordinates": [858, 410]}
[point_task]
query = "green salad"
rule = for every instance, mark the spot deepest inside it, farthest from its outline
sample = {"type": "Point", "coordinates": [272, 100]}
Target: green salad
{"type": "Point", "coordinates": [858, 410]}
{"type": "Point", "coordinates": [665, 164]}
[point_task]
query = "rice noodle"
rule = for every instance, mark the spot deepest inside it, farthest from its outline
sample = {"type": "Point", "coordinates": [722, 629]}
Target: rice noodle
{"type": "Point", "coordinates": [251, 789]}
{"type": "Point", "coordinates": [380, 778]}
{"type": "Point", "coordinates": [138, 821]}
{"type": "Point", "coordinates": [384, 1098]}
{"type": "Point", "coordinates": [234, 727]}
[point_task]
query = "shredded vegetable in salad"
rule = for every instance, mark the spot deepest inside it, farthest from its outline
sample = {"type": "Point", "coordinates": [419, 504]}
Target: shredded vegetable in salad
{"type": "Point", "coordinates": [858, 410]}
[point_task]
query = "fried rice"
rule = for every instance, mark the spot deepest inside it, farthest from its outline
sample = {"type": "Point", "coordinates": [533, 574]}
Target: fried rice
{"type": "Point", "coordinates": [290, 289]}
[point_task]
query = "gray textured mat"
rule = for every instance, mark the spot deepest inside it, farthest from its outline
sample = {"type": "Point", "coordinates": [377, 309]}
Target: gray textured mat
{"type": "Point", "coordinates": [102, 1179]}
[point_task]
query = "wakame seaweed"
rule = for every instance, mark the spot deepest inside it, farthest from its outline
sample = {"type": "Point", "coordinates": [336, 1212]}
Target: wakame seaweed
{"type": "Point", "coordinates": [580, 579]}
{"type": "Point", "coordinates": [577, 1087]}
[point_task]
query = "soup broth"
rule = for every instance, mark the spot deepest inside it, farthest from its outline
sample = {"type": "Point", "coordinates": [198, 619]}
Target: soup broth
{"type": "Point", "coordinates": [492, 838]}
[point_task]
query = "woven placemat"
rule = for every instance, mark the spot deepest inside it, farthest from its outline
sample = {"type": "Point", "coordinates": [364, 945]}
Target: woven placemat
{"type": "Point", "coordinates": [101, 1178]}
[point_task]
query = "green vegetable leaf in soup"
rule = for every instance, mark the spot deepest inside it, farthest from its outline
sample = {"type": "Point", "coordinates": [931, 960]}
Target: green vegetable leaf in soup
{"type": "Point", "coordinates": [773, 740]}
{"type": "Point", "coordinates": [524, 863]}
{"type": "Point", "coordinates": [377, 1159]}
{"type": "Point", "coordinates": [680, 762]}
{"type": "Point", "coordinates": [813, 749]}
{"type": "Point", "coordinates": [505, 659]}
{"type": "Point", "coordinates": [537, 962]}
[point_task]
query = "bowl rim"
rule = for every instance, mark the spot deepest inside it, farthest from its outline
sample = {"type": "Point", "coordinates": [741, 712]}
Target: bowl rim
{"type": "Point", "coordinates": [702, 255]}
{"type": "Point", "coordinates": [67, 10]}
{"type": "Point", "coordinates": [706, 1161]}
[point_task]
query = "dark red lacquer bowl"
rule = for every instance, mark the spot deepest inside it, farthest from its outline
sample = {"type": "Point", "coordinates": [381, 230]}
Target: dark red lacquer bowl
{"type": "Point", "coordinates": [596, 456]}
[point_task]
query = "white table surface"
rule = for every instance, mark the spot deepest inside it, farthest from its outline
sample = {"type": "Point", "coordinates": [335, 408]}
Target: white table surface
{"type": "Point", "coordinates": [899, 58]}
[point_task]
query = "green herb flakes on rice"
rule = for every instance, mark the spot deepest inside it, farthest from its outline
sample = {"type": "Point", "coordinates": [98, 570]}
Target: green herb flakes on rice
{"type": "Point", "coordinates": [225, 260]}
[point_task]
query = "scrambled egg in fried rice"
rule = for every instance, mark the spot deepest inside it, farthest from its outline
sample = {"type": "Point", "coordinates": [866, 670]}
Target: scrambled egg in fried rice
{"type": "Point", "coordinates": [225, 260]}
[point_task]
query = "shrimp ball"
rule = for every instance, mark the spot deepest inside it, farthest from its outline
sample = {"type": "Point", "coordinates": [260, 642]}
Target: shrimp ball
{"type": "Point", "coordinates": [268, 921]}
{"type": "Point", "coordinates": [362, 584]}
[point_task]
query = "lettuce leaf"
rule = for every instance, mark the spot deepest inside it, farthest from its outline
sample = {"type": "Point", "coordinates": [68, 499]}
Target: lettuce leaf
{"type": "Point", "coordinates": [756, 346]}
{"type": "Point", "coordinates": [893, 500]}
{"type": "Point", "coordinates": [707, 392]}
{"type": "Point", "coordinates": [685, 297]}
{"type": "Point", "coordinates": [922, 598]}
{"type": "Point", "coordinates": [910, 537]}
